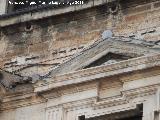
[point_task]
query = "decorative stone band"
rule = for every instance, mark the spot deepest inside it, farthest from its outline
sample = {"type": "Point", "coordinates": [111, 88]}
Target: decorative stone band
{"type": "Point", "coordinates": [106, 111]}
{"type": "Point", "coordinates": [117, 104]}
{"type": "Point", "coordinates": [90, 74]}
{"type": "Point", "coordinates": [21, 100]}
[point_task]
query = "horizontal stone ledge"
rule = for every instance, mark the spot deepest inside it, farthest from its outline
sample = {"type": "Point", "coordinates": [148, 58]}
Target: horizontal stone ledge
{"type": "Point", "coordinates": [6, 20]}
{"type": "Point", "coordinates": [98, 72]}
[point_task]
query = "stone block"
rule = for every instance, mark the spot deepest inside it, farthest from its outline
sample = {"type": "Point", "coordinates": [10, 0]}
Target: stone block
{"type": "Point", "coordinates": [39, 47]}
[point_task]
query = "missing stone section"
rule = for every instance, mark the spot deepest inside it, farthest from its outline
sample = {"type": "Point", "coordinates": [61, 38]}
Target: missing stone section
{"type": "Point", "coordinates": [81, 47]}
{"type": "Point", "coordinates": [132, 36]}
{"type": "Point", "coordinates": [62, 51]}
{"type": "Point", "coordinates": [32, 58]}
{"type": "Point", "coordinates": [114, 7]}
{"type": "Point", "coordinates": [28, 27]}
{"type": "Point", "coordinates": [73, 49]}
{"type": "Point", "coordinates": [10, 63]}
{"type": "Point", "coordinates": [151, 31]}
{"type": "Point", "coordinates": [54, 52]}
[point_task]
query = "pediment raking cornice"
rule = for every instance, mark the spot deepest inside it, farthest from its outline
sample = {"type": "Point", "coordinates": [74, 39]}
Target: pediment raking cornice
{"type": "Point", "coordinates": [118, 45]}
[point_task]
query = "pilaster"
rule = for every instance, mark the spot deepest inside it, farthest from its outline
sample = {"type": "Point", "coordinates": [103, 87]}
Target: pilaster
{"type": "Point", "coordinates": [157, 109]}
{"type": "Point", "coordinates": [149, 108]}
{"type": "Point", "coordinates": [3, 5]}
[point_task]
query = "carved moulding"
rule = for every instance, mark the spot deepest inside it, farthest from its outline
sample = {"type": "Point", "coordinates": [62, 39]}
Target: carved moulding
{"type": "Point", "coordinates": [20, 100]}
{"type": "Point", "coordinates": [98, 72]}
{"type": "Point", "coordinates": [115, 104]}
{"type": "Point", "coordinates": [54, 113]}
{"type": "Point", "coordinates": [92, 107]}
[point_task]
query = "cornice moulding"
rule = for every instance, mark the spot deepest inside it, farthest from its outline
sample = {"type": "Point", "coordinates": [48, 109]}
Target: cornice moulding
{"type": "Point", "coordinates": [98, 72]}
{"type": "Point", "coordinates": [22, 101]}
{"type": "Point", "coordinates": [32, 15]}
{"type": "Point", "coordinates": [125, 98]}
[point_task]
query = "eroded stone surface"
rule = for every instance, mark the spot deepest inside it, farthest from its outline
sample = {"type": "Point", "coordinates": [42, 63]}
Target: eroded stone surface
{"type": "Point", "coordinates": [62, 44]}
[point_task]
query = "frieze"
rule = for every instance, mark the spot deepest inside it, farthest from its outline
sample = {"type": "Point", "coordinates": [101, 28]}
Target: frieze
{"type": "Point", "coordinates": [67, 90]}
{"type": "Point", "coordinates": [125, 98]}
{"type": "Point", "coordinates": [111, 82]}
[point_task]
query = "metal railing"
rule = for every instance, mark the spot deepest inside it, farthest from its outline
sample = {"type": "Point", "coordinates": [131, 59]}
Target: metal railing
{"type": "Point", "coordinates": [35, 5]}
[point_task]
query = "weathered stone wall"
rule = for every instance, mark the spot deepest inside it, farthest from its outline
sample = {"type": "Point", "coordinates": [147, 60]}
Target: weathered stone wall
{"type": "Point", "coordinates": [51, 40]}
{"type": "Point", "coordinates": [103, 96]}
{"type": "Point", "coordinates": [92, 99]}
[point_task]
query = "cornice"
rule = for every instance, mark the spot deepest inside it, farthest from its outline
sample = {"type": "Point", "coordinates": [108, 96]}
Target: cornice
{"type": "Point", "coordinates": [12, 101]}
{"type": "Point", "coordinates": [127, 96]}
{"type": "Point", "coordinates": [108, 104]}
{"type": "Point", "coordinates": [118, 103]}
{"type": "Point", "coordinates": [20, 100]}
{"type": "Point", "coordinates": [98, 72]}
{"type": "Point", "coordinates": [39, 14]}
{"type": "Point", "coordinates": [124, 101]}
{"type": "Point", "coordinates": [68, 90]}
{"type": "Point", "coordinates": [100, 48]}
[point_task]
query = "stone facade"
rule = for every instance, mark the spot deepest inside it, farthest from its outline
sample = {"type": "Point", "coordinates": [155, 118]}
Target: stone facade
{"type": "Point", "coordinates": [95, 61]}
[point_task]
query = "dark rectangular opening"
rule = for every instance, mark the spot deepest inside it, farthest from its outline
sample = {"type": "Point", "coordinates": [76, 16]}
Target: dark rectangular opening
{"type": "Point", "coordinates": [133, 114]}
{"type": "Point", "coordinates": [82, 117]}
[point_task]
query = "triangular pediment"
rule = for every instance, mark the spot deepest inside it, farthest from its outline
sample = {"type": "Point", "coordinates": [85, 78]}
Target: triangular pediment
{"type": "Point", "coordinates": [107, 59]}
{"type": "Point", "coordinates": [106, 51]}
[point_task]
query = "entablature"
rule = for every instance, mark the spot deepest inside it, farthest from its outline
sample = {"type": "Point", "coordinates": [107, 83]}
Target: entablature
{"type": "Point", "coordinates": [91, 74]}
